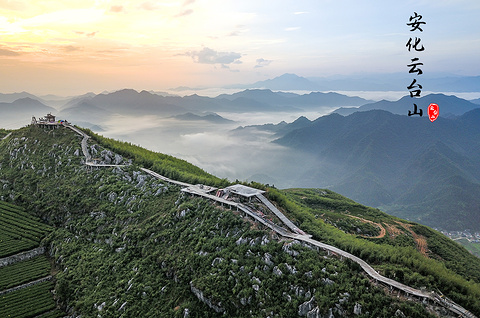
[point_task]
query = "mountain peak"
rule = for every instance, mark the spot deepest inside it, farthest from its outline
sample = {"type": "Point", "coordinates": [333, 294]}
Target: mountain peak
{"type": "Point", "coordinates": [290, 76]}
{"type": "Point", "coordinates": [125, 92]}
{"type": "Point", "coordinates": [286, 81]}
{"type": "Point", "coordinates": [302, 119]}
{"type": "Point", "coordinates": [28, 101]}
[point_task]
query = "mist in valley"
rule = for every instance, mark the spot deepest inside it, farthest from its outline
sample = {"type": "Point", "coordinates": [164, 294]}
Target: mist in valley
{"type": "Point", "coordinates": [313, 140]}
{"type": "Point", "coordinates": [222, 149]}
{"type": "Point", "coordinates": [154, 121]}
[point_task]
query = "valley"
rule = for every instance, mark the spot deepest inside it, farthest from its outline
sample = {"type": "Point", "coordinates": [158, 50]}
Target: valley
{"type": "Point", "coordinates": [471, 241]}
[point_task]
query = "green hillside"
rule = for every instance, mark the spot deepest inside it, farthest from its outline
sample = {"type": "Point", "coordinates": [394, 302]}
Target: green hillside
{"type": "Point", "coordinates": [3, 132]}
{"type": "Point", "coordinates": [130, 245]}
{"type": "Point", "coordinates": [433, 250]}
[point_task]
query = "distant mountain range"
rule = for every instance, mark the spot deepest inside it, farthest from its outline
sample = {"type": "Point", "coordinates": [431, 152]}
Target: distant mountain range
{"type": "Point", "coordinates": [449, 105]}
{"type": "Point", "coordinates": [427, 172]}
{"type": "Point", "coordinates": [372, 82]}
{"type": "Point", "coordinates": [25, 104]}
{"type": "Point", "coordinates": [476, 101]}
{"type": "Point", "coordinates": [94, 109]}
{"type": "Point", "coordinates": [19, 112]}
{"type": "Point", "coordinates": [278, 130]}
{"type": "Point", "coordinates": [212, 118]}
{"type": "Point", "coordinates": [305, 101]}
{"type": "Point", "coordinates": [129, 102]}
{"type": "Point", "coordinates": [9, 98]}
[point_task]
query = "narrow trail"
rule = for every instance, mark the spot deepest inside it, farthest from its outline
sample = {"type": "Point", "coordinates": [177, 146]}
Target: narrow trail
{"type": "Point", "coordinates": [299, 235]}
{"type": "Point", "coordinates": [420, 240]}
{"type": "Point", "coordinates": [88, 157]}
{"type": "Point", "coordinates": [393, 230]}
{"type": "Point", "coordinates": [8, 135]}
{"type": "Point", "coordinates": [382, 229]}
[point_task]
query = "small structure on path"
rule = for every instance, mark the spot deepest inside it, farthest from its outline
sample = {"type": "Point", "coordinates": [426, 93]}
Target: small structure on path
{"type": "Point", "coordinates": [244, 191]}
{"type": "Point", "coordinates": [238, 191]}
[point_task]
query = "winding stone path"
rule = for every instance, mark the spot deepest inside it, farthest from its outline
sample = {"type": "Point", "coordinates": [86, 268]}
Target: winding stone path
{"type": "Point", "coordinates": [88, 157]}
{"type": "Point", "coordinates": [452, 306]}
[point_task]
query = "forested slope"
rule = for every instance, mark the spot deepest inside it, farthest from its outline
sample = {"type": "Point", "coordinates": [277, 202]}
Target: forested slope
{"type": "Point", "coordinates": [129, 244]}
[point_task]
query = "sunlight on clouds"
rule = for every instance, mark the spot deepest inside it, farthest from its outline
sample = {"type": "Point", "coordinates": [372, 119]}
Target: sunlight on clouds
{"type": "Point", "coordinates": [8, 28]}
{"type": "Point", "coordinates": [166, 40]}
{"type": "Point", "coordinates": [155, 5]}
{"type": "Point", "coordinates": [149, 34]}
{"type": "Point", "coordinates": [65, 18]}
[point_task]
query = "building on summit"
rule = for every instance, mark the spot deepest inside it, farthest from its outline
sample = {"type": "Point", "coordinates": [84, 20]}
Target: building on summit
{"type": "Point", "coordinates": [49, 121]}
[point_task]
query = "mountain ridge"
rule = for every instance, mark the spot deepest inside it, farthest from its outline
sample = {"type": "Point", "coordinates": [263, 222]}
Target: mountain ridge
{"type": "Point", "coordinates": [366, 82]}
{"type": "Point", "coordinates": [375, 147]}
{"type": "Point", "coordinates": [448, 104]}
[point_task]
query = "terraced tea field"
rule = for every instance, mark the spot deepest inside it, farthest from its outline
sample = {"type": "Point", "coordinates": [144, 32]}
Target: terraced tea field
{"type": "Point", "coordinates": [25, 280]}
{"type": "Point", "coordinates": [19, 231]}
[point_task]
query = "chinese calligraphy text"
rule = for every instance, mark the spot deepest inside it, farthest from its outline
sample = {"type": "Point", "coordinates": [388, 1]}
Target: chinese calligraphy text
{"type": "Point", "coordinates": [415, 45]}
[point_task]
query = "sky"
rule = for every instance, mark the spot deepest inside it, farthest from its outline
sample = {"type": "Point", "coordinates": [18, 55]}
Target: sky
{"type": "Point", "coordinates": [71, 47]}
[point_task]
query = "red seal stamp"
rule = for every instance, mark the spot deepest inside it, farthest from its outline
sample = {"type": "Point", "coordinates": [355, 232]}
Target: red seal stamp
{"type": "Point", "coordinates": [433, 112]}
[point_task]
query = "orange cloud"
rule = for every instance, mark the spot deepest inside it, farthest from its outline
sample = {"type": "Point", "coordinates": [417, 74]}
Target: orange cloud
{"type": "Point", "coordinates": [7, 52]}
{"type": "Point", "coordinates": [116, 9]}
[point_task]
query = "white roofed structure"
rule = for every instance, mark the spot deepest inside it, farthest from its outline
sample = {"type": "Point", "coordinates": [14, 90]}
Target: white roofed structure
{"type": "Point", "coordinates": [243, 191]}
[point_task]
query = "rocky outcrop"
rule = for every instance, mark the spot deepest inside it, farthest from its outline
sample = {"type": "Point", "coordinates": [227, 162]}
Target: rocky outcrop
{"type": "Point", "coordinates": [241, 240]}
{"type": "Point", "coordinates": [314, 313]}
{"type": "Point", "coordinates": [277, 271]}
{"type": "Point", "coordinates": [267, 258]}
{"type": "Point", "coordinates": [217, 307]}
{"type": "Point", "coordinates": [287, 248]}
{"type": "Point", "coordinates": [357, 309]}
{"type": "Point", "coordinates": [217, 261]}
{"type": "Point", "coordinates": [291, 268]}
{"type": "Point", "coordinates": [306, 307]}
{"type": "Point", "coordinates": [327, 281]}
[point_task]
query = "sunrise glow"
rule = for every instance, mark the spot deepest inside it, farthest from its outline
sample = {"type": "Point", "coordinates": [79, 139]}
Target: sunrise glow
{"type": "Point", "coordinates": [74, 46]}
